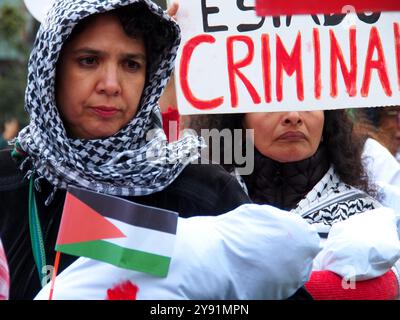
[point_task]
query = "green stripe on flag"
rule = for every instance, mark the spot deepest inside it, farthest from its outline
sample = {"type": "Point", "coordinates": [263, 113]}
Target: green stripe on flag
{"type": "Point", "coordinates": [121, 257]}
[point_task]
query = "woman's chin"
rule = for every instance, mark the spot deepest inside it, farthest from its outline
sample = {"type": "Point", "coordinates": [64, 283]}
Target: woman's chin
{"type": "Point", "coordinates": [291, 154]}
{"type": "Point", "coordinates": [291, 157]}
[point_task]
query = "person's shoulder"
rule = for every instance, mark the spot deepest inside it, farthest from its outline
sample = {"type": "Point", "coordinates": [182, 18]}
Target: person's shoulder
{"type": "Point", "coordinates": [7, 165]}
{"type": "Point", "coordinates": [374, 149]}
{"type": "Point", "coordinates": [10, 175]}
{"type": "Point", "coordinates": [3, 143]}
{"type": "Point", "coordinates": [208, 176]}
{"type": "Point", "coordinates": [205, 172]}
{"type": "Point", "coordinates": [380, 163]}
{"type": "Point", "coordinates": [208, 186]}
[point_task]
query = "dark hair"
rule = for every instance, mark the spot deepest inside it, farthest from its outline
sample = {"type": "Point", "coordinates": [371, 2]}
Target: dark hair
{"type": "Point", "coordinates": [344, 147]}
{"type": "Point", "coordinates": [138, 21]}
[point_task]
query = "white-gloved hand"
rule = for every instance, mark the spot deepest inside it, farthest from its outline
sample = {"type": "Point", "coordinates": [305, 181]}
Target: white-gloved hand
{"type": "Point", "coordinates": [252, 252]}
{"type": "Point", "coordinates": [362, 247]}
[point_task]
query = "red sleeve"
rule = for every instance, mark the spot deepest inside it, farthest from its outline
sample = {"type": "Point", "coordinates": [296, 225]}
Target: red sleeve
{"type": "Point", "coordinates": [326, 285]}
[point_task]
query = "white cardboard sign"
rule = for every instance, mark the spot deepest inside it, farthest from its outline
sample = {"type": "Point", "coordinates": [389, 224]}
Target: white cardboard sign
{"type": "Point", "coordinates": [232, 61]}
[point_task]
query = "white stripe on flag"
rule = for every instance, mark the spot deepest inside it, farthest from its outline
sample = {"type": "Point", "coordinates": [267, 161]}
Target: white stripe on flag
{"type": "Point", "coordinates": [143, 239]}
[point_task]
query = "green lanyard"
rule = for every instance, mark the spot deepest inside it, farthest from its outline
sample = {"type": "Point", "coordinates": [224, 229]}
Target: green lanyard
{"type": "Point", "coordinates": [34, 223]}
{"type": "Point", "coordinates": [36, 232]}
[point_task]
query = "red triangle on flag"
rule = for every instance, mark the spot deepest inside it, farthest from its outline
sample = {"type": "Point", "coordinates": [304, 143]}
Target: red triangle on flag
{"type": "Point", "coordinates": [80, 223]}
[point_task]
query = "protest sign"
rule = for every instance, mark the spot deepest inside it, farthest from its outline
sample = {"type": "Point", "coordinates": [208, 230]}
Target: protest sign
{"type": "Point", "coordinates": [284, 7]}
{"type": "Point", "coordinates": [233, 61]}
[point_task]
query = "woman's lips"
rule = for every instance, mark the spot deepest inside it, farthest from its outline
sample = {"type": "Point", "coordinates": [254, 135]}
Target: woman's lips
{"type": "Point", "coordinates": [105, 111]}
{"type": "Point", "coordinates": [292, 136]}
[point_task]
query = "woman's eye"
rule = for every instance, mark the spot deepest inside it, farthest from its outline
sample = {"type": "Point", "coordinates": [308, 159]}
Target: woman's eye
{"type": "Point", "coordinates": [132, 65]}
{"type": "Point", "coordinates": [87, 61]}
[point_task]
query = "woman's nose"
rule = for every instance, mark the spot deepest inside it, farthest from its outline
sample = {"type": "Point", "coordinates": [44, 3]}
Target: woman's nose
{"type": "Point", "coordinates": [108, 82]}
{"type": "Point", "coordinates": [292, 118]}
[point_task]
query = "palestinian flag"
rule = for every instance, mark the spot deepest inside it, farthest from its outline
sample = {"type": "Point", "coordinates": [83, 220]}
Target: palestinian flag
{"type": "Point", "coordinates": [290, 7]}
{"type": "Point", "coordinates": [117, 231]}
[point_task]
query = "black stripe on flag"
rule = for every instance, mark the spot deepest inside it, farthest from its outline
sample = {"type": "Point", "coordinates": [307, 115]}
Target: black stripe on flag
{"type": "Point", "coordinates": [127, 211]}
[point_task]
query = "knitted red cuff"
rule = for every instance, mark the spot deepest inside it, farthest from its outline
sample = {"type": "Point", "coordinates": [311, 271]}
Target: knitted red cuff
{"type": "Point", "coordinates": [326, 285]}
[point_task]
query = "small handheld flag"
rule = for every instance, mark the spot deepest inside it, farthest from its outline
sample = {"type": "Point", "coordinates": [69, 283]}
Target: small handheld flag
{"type": "Point", "coordinates": [117, 231]}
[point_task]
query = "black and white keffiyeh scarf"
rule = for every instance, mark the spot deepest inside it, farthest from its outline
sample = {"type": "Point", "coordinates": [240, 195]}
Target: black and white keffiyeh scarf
{"type": "Point", "coordinates": [125, 164]}
{"type": "Point", "coordinates": [331, 201]}
{"type": "Point", "coordinates": [311, 187]}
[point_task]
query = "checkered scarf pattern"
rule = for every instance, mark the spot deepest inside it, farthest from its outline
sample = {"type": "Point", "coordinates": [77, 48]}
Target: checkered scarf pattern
{"type": "Point", "coordinates": [125, 164]}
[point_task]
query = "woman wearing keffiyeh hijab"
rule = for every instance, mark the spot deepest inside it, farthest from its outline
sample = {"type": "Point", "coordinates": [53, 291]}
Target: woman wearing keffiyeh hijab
{"type": "Point", "coordinates": [95, 75]}
{"type": "Point", "coordinates": [92, 102]}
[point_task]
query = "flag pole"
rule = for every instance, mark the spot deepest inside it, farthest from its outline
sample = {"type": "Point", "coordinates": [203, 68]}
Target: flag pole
{"type": "Point", "coordinates": [53, 278]}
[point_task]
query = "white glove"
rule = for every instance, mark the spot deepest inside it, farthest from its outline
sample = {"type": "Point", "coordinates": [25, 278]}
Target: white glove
{"type": "Point", "coordinates": [362, 247]}
{"type": "Point", "coordinates": [252, 252]}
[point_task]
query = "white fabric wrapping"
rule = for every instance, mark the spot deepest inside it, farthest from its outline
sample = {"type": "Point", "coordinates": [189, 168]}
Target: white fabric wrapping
{"type": "Point", "coordinates": [380, 163]}
{"type": "Point", "coordinates": [252, 252]}
{"type": "Point", "coordinates": [362, 247]}
{"type": "Point", "coordinates": [390, 196]}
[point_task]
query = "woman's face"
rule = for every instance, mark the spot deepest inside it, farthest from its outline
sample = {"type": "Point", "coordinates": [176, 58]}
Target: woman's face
{"type": "Point", "coordinates": [100, 78]}
{"type": "Point", "coordinates": [286, 136]}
